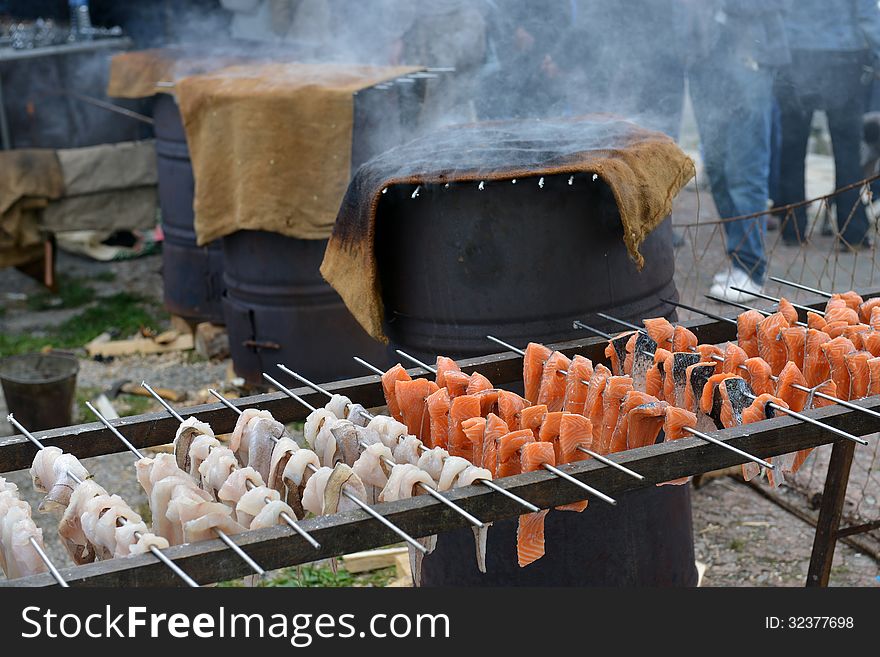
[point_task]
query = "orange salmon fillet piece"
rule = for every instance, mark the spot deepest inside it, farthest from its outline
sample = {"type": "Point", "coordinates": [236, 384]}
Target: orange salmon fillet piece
{"type": "Point", "coordinates": [683, 340]}
{"type": "Point", "coordinates": [747, 331]}
{"type": "Point", "coordinates": [457, 383]}
{"type": "Point", "coordinates": [580, 370]}
{"type": "Point", "coordinates": [875, 319]}
{"type": "Point", "coordinates": [835, 329]}
{"type": "Point", "coordinates": [871, 342]}
{"type": "Point", "coordinates": [509, 446]}
{"type": "Point", "coordinates": [475, 430]}
{"type": "Point", "coordinates": [770, 346]}
{"type": "Point", "coordinates": [859, 374]}
{"type": "Point", "coordinates": [438, 413]}
{"type": "Point", "coordinates": [631, 400]}
{"type": "Point", "coordinates": [874, 376]}
{"type": "Point", "coordinates": [593, 405]}
{"type": "Point", "coordinates": [835, 351]}
{"type": "Point", "coordinates": [533, 369]}
{"type": "Point", "coordinates": [856, 333]}
{"type": "Point", "coordinates": [815, 321]}
{"type": "Point", "coordinates": [851, 299]}
{"type": "Point", "coordinates": [656, 374]}
{"type": "Point", "coordinates": [674, 423]}
{"type": "Point", "coordinates": [788, 311]}
{"type": "Point", "coordinates": [734, 356]}
{"type": "Point", "coordinates": [847, 315]}
{"type": "Point", "coordinates": [816, 366]}
{"type": "Point", "coordinates": [696, 377]}
{"type": "Point", "coordinates": [644, 424]}
{"type": "Point", "coordinates": [462, 408]}
{"type": "Point", "coordinates": [794, 338]}
{"type": "Point", "coordinates": [392, 376]}
{"type": "Point", "coordinates": [509, 406]}
{"type": "Point", "coordinates": [758, 376]}
{"type": "Point", "coordinates": [532, 417]}
{"type": "Point", "coordinates": [551, 392]}
{"type": "Point", "coordinates": [495, 428]}
{"type": "Point", "coordinates": [478, 383]}
{"type": "Point", "coordinates": [443, 366]}
{"type": "Point", "coordinates": [412, 398]}
{"type": "Point", "coordinates": [789, 377]}
{"type": "Point", "coordinates": [867, 308]}
{"type": "Point", "coordinates": [615, 390]}
{"type": "Point", "coordinates": [530, 538]}
{"type": "Point", "coordinates": [660, 331]}
{"type": "Point", "coordinates": [574, 431]}
{"type": "Point", "coordinates": [708, 395]}
{"type": "Point", "coordinates": [549, 430]}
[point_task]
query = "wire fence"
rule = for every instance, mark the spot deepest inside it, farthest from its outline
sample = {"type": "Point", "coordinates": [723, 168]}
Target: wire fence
{"type": "Point", "coordinates": [829, 243]}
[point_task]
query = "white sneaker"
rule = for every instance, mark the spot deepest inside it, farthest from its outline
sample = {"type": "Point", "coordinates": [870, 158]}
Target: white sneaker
{"type": "Point", "coordinates": [721, 277]}
{"type": "Point", "coordinates": [739, 279]}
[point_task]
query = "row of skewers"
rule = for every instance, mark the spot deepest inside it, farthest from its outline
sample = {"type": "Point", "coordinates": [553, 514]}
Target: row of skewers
{"type": "Point", "coordinates": [454, 431]}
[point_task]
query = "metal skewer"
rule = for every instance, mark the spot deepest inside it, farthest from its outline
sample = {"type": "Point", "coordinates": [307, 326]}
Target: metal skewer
{"type": "Point", "coordinates": [220, 533]}
{"type": "Point", "coordinates": [46, 560]}
{"type": "Point", "coordinates": [776, 407]}
{"type": "Point", "coordinates": [796, 386]}
{"type": "Point", "coordinates": [415, 360]}
{"type": "Point", "coordinates": [595, 455]}
{"type": "Point", "coordinates": [761, 295]}
{"type": "Point", "coordinates": [800, 286]}
{"type": "Point", "coordinates": [766, 313]}
{"type": "Point", "coordinates": [430, 491]}
{"type": "Point", "coordinates": [156, 552]}
{"type": "Point", "coordinates": [373, 368]}
{"type": "Point", "coordinates": [691, 430]}
{"type": "Point", "coordinates": [360, 503]}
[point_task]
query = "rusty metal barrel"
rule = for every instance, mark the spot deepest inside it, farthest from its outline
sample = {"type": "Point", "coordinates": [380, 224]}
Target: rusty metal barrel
{"type": "Point", "coordinates": [192, 274]}
{"type": "Point", "coordinates": [522, 262]}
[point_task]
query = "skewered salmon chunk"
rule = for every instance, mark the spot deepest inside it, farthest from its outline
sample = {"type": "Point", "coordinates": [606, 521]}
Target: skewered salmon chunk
{"type": "Point", "coordinates": [835, 329]}
{"type": "Point", "coordinates": [616, 351]}
{"type": "Point", "coordinates": [847, 315]}
{"type": "Point", "coordinates": [462, 408]}
{"type": "Point", "coordinates": [438, 404]}
{"type": "Point", "coordinates": [789, 377]}
{"type": "Point", "coordinates": [593, 405]}
{"type": "Point", "coordinates": [488, 401]}
{"type": "Point", "coordinates": [707, 398]}
{"type": "Point", "coordinates": [656, 374]}
{"type": "Point", "coordinates": [477, 384]}
{"type": "Point", "coordinates": [495, 428]}
{"type": "Point", "coordinates": [412, 398]}
{"type": "Point", "coordinates": [443, 366]}
{"type": "Point", "coordinates": [859, 374]}
{"type": "Point", "coordinates": [534, 455]}
{"type": "Point", "coordinates": [661, 331]}
{"type": "Point", "coordinates": [795, 338]}
{"type": "Point", "coordinates": [674, 422]}
{"type": "Point", "coordinates": [734, 356]}
{"type": "Point", "coordinates": [759, 410]}
{"type": "Point", "coordinates": [675, 385]}
{"type": "Point", "coordinates": [835, 351]}
{"type": "Point", "coordinates": [533, 369]}
{"type": "Point", "coordinates": [509, 447]}
{"type": "Point", "coordinates": [758, 376]}
{"type": "Point", "coordinates": [871, 342]}
{"type": "Point", "coordinates": [574, 431]}
{"type": "Point", "coordinates": [851, 299]}
{"type": "Point", "coordinates": [747, 331]}
{"type": "Point", "coordinates": [631, 400]}
{"type": "Point", "coordinates": [709, 352]}
{"type": "Point", "coordinates": [532, 417]}
{"type": "Point", "coordinates": [644, 424]}
{"type": "Point", "coordinates": [874, 376]}
{"type": "Point", "coordinates": [735, 396]}
{"type": "Point", "coordinates": [644, 352]}
{"type": "Point", "coordinates": [816, 321]}
{"type": "Point", "coordinates": [874, 321]}
{"type": "Point", "coordinates": [698, 376]}
{"type": "Point", "coordinates": [788, 311]}
{"type": "Point", "coordinates": [816, 366]}
{"type": "Point", "coordinates": [457, 383]}
{"type": "Point", "coordinates": [395, 374]}
{"type": "Point", "coordinates": [552, 389]}
{"type": "Point", "coordinates": [856, 333]}
{"type": "Point", "coordinates": [549, 430]}
{"type": "Point", "coordinates": [683, 340]}
{"type": "Point", "coordinates": [615, 390]}
{"type": "Point", "coordinates": [770, 346]}
{"type": "Point", "coordinates": [530, 538]}
{"type": "Point", "coordinates": [580, 370]}
{"type": "Point", "coordinates": [475, 430]}
{"type": "Point", "coordinates": [630, 351]}
{"type": "Point", "coordinates": [509, 406]}
{"type": "Point", "coordinates": [867, 308]}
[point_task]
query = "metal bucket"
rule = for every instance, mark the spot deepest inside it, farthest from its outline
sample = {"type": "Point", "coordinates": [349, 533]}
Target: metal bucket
{"type": "Point", "coordinates": [39, 389]}
{"type": "Point", "coordinates": [192, 274]}
{"type": "Point", "coordinates": [279, 310]}
{"type": "Point", "coordinates": [522, 262]}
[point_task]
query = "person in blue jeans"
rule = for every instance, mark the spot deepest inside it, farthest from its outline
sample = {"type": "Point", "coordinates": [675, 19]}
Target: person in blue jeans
{"type": "Point", "coordinates": [833, 43]}
{"type": "Point", "coordinates": [739, 47]}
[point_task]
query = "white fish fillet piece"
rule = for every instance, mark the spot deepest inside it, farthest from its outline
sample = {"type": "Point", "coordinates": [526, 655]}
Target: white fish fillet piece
{"type": "Point", "coordinates": [481, 534]}
{"type": "Point", "coordinates": [453, 467]}
{"type": "Point", "coordinates": [432, 462]}
{"type": "Point", "coordinates": [296, 471]}
{"type": "Point", "coordinates": [408, 450]}
{"type": "Point", "coordinates": [70, 526]}
{"type": "Point", "coordinates": [7, 486]}
{"type": "Point", "coordinates": [187, 432]}
{"type": "Point", "coordinates": [217, 468]}
{"type": "Point", "coordinates": [270, 515]}
{"type": "Point", "coordinates": [358, 415]}
{"type": "Point", "coordinates": [471, 474]}
{"type": "Point", "coordinates": [126, 538]}
{"type": "Point", "coordinates": [281, 454]}
{"type": "Point", "coordinates": [262, 434]}
{"type": "Point", "coordinates": [199, 450]}
{"type": "Point", "coordinates": [107, 524]}
{"type": "Point", "coordinates": [325, 443]}
{"type": "Point", "coordinates": [313, 495]}
{"type": "Point", "coordinates": [238, 441]}
{"type": "Point", "coordinates": [151, 469]}
{"type": "Point", "coordinates": [12, 509]}
{"type": "Point", "coordinates": [42, 472]}
{"type": "Point", "coordinates": [347, 437]}
{"type": "Point", "coordinates": [252, 502]}
{"type": "Point", "coordinates": [146, 541]}
{"type": "Point", "coordinates": [204, 527]}
{"type": "Point", "coordinates": [390, 430]}
{"type": "Point", "coordinates": [21, 558]}
{"type": "Point", "coordinates": [160, 498]}
{"type": "Point", "coordinates": [370, 467]}
{"type": "Point", "coordinates": [402, 482]}
{"type": "Point", "coordinates": [67, 469]}
{"type": "Point", "coordinates": [314, 423]}
{"type": "Point", "coordinates": [236, 485]}
{"type": "Point", "coordinates": [343, 477]}
{"type": "Point", "coordinates": [183, 506]}
{"type": "Point", "coordinates": [338, 405]}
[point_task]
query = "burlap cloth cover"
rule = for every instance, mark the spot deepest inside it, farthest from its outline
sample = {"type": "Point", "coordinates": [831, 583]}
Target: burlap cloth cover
{"type": "Point", "coordinates": [29, 178]}
{"type": "Point", "coordinates": [271, 145]}
{"type": "Point", "coordinates": [137, 74]}
{"type": "Point", "coordinates": [644, 169]}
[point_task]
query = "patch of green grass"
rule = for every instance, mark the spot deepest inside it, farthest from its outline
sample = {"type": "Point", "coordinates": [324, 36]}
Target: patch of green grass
{"type": "Point", "coordinates": [136, 404]}
{"type": "Point", "coordinates": [121, 314]}
{"type": "Point", "coordinates": [72, 293]}
{"type": "Point", "coordinates": [104, 277]}
{"type": "Point", "coordinates": [84, 394]}
{"type": "Point", "coordinates": [737, 545]}
{"type": "Point", "coordinates": [322, 577]}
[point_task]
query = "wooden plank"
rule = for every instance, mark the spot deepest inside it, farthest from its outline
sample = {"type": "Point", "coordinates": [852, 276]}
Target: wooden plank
{"type": "Point", "coordinates": [211, 561]}
{"type": "Point", "coordinates": [830, 513]}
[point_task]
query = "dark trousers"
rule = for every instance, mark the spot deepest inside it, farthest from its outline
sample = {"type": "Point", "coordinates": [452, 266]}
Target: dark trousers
{"type": "Point", "coordinates": [829, 81]}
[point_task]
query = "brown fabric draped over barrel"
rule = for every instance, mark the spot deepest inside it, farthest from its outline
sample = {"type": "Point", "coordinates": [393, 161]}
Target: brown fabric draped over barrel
{"type": "Point", "coordinates": [644, 169]}
{"type": "Point", "coordinates": [271, 145]}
